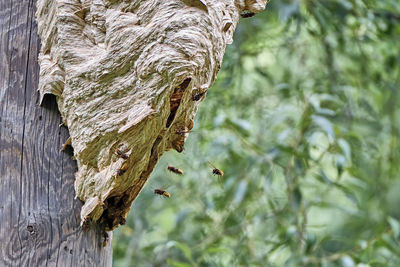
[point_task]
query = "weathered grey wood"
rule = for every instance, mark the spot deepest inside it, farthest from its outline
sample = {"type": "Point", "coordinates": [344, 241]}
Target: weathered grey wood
{"type": "Point", "coordinates": [39, 217]}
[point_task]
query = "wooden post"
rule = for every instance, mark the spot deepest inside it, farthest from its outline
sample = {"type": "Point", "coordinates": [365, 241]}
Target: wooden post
{"type": "Point", "coordinates": [39, 217]}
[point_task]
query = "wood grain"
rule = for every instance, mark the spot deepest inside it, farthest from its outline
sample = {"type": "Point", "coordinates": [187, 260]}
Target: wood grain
{"type": "Point", "coordinates": [39, 215]}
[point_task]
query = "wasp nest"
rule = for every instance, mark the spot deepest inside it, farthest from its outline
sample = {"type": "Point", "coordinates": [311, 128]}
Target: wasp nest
{"type": "Point", "coordinates": [127, 75]}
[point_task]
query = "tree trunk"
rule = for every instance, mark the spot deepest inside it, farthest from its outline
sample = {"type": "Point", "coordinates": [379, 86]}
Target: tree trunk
{"type": "Point", "coordinates": [128, 77]}
{"type": "Point", "coordinates": [39, 215]}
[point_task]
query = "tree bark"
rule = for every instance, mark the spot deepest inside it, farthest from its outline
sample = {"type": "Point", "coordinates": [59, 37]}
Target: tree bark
{"type": "Point", "coordinates": [39, 215]}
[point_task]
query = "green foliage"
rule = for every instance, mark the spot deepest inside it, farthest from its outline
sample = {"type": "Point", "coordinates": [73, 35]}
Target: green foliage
{"type": "Point", "coordinates": [304, 121]}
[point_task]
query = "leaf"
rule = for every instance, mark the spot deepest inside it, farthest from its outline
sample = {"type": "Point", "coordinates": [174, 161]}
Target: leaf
{"type": "Point", "coordinates": [203, 218]}
{"type": "Point", "coordinates": [348, 193]}
{"type": "Point", "coordinates": [390, 244]}
{"type": "Point", "coordinates": [185, 250]}
{"type": "Point", "coordinates": [297, 197]}
{"type": "Point", "coordinates": [240, 126]}
{"type": "Point", "coordinates": [347, 261]}
{"type": "Point", "coordinates": [214, 250]}
{"type": "Point", "coordinates": [323, 177]}
{"type": "Point", "coordinates": [340, 163]}
{"type": "Point", "coordinates": [311, 239]}
{"type": "Point", "coordinates": [345, 148]}
{"type": "Point", "coordinates": [325, 125]}
{"type": "Point", "coordinates": [240, 192]}
{"type": "Point", "coordinates": [315, 101]}
{"type": "Point", "coordinates": [180, 217]}
{"type": "Point", "coordinates": [218, 121]}
{"type": "Point", "coordinates": [395, 225]}
{"type": "Point", "coordinates": [177, 263]}
{"type": "Point", "coordinates": [290, 232]}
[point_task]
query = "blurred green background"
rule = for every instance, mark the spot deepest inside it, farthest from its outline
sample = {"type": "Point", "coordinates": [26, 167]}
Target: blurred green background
{"type": "Point", "coordinates": [304, 120]}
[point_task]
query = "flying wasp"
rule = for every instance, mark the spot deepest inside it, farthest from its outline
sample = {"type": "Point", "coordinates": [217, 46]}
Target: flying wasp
{"type": "Point", "coordinates": [216, 171]}
{"type": "Point", "coordinates": [175, 170]}
{"type": "Point", "coordinates": [161, 192]}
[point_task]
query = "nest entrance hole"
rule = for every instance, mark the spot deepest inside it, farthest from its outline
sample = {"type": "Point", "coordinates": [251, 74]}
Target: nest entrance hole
{"type": "Point", "coordinates": [175, 100]}
{"type": "Point", "coordinates": [114, 212]}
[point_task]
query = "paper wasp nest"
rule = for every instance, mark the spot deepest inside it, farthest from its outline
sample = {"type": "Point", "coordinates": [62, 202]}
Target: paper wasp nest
{"type": "Point", "coordinates": [125, 74]}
